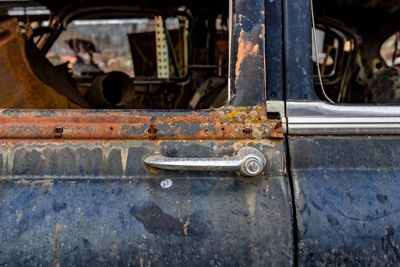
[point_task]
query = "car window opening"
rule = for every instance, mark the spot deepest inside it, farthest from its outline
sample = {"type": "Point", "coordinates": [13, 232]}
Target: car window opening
{"type": "Point", "coordinates": [120, 57]}
{"type": "Point", "coordinates": [358, 55]}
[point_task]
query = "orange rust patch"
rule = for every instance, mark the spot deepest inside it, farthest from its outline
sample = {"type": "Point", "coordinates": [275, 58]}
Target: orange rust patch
{"type": "Point", "coordinates": [223, 124]}
{"type": "Point", "coordinates": [277, 132]}
{"type": "Point", "coordinates": [245, 48]}
{"type": "Point", "coordinates": [152, 132]}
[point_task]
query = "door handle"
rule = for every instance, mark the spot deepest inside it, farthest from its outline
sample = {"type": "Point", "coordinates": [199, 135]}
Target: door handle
{"type": "Point", "coordinates": [249, 161]}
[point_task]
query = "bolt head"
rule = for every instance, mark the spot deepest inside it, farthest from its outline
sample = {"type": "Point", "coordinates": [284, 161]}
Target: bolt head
{"type": "Point", "coordinates": [253, 161]}
{"type": "Point", "coordinates": [252, 166]}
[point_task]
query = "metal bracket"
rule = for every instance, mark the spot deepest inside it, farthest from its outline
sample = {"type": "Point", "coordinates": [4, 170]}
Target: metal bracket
{"type": "Point", "coordinates": [161, 49]}
{"type": "Point", "coordinates": [278, 106]}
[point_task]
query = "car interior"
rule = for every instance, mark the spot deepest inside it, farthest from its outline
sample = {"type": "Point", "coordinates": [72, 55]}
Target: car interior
{"type": "Point", "coordinates": [120, 56]}
{"type": "Point", "coordinates": [153, 55]}
{"type": "Point", "coordinates": [358, 44]}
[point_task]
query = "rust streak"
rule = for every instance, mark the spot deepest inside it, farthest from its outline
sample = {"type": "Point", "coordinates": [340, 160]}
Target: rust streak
{"type": "Point", "coordinates": [245, 48]}
{"type": "Point", "coordinates": [277, 132]}
{"type": "Point", "coordinates": [223, 123]}
{"type": "Point", "coordinates": [152, 132]}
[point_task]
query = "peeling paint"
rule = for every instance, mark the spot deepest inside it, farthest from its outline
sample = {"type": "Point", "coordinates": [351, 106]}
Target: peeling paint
{"type": "Point", "coordinates": [101, 159]}
{"type": "Point", "coordinates": [245, 49]}
{"type": "Point", "coordinates": [124, 159]}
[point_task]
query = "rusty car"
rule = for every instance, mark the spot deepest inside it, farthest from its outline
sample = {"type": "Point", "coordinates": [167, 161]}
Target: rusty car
{"type": "Point", "coordinates": [199, 133]}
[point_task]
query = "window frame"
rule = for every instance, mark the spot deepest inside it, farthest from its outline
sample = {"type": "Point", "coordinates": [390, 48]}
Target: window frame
{"type": "Point", "coordinates": [246, 87]}
{"type": "Point", "coordinates": [306, 113]}
{"type": "Point", "coordinates": [244, 118]}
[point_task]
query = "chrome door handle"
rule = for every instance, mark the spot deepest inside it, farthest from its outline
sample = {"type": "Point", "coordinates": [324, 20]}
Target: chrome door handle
{"type": "Point", "coordinates": [249, 161]}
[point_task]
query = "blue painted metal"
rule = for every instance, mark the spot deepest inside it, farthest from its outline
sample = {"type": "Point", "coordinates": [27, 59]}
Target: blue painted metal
{"type": "Point", "coordinates": [345, 188]}
{"type": "Point", "coordinates": [347, 201]}
{"type": "Point", "coordinates": [74, 190]}
{"type": "Point", "coordinates": [67, 203]}
{"type": "Point", "coordinates": [274, 49]}
{"type": "Point", "coordinates": [298, 51]}
{"type": "Point", "coordinates": [248, 49]}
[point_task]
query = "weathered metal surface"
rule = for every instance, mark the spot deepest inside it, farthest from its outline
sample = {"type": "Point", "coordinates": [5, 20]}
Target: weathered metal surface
{"type": "Point", "coordinates": [70, 203]}
{"type": "Point", "coordinates": [248, 49]}
{"type": "Point", "coordinates": [274, 49]}
{"type": "Point", "coordinates": [347, 201]}
{"type": "Point", "coordinates": [20, 86]}
{"type": "Point", "coordinates": [224, 123]}
{"type": "Point", "coordinates": [298, 66]}
{"type": "Point", "coordinates": [74, 189]}
{"type": "Point", "coordinates": [345, 188]}
{"type": "Point", "coordinates": [98, 159]}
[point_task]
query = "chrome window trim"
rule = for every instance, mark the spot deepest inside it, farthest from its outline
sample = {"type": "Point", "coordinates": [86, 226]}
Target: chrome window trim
{"type": "Point", "coordinates": [319, 118]}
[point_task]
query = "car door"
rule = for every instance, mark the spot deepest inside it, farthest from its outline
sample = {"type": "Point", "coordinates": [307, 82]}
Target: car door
{"type": "Point", "coordinates": [152, 187]}
{"type": "Point", "coordinates": [344, 166]}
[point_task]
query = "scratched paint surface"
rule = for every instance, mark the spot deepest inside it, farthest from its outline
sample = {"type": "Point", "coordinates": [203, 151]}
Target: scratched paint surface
{"type": "Point", "coordinates": [112, 159]}
{"type": "Point", "coordinates": [347, 200]}
{"type": "Point", "coordinates": [249, 65]}
{"type": "Point", "coordinates": [74, 190]}
{"type": "Point", "coordinates": [70, 203]}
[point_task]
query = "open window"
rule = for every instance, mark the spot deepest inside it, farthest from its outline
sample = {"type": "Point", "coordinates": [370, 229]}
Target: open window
{"type": "Point", "coordinates": [125, 56]}
{"type": "Point", "coordinates": [357, 54]}
{"type": "Point", "coordinates": [335, 55]}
